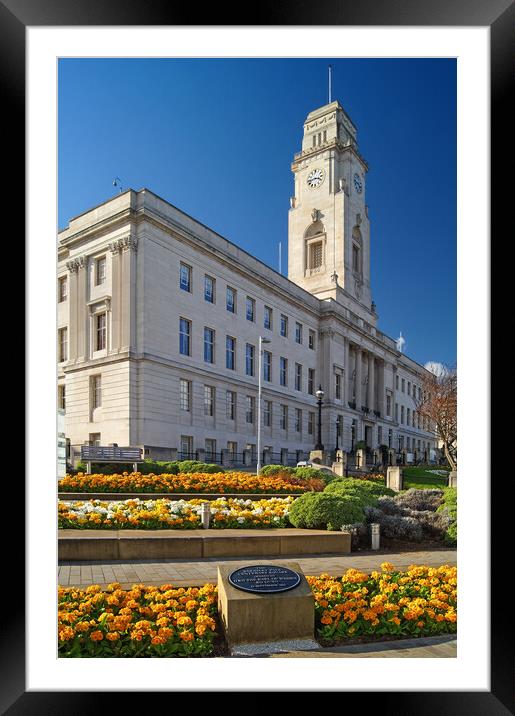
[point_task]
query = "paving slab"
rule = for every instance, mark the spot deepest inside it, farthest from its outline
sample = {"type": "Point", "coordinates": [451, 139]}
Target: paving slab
{"type": "Point", "coordinates": [202, 571]}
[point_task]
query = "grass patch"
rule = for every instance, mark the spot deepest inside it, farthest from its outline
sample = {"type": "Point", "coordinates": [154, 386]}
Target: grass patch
{"type": "Point", "coordinates": [422, 477]}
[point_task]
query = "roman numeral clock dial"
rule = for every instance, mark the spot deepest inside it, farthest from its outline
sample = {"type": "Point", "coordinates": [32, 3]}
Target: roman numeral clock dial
{"type": "Point", "coordinates": [315, 178]}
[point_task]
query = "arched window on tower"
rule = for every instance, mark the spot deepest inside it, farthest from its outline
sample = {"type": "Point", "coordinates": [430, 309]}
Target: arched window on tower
{"type": "Point", "coordinates": [314, 238]}
{"type": "Point", "coordinates": [357, 251]}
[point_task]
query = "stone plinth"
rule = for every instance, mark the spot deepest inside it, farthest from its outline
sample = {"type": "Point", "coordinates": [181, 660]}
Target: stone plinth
{"type": "Point", "coordinates": [453, 479]}
{"type": "Point", "coordinates": [262, 618]}
{"type": "Point", "coordinates": [394, 479]}
{"type": "Point", "coordinates": [322, 457]}
{"type": "Point", "coordinates": [361, 459]}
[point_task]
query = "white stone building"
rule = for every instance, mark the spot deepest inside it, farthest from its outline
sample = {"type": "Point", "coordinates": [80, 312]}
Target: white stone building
{"type": "Point", "coordinates": [159, 319]}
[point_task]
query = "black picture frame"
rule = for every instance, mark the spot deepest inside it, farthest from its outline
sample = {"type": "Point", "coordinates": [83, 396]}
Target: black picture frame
{"type": "Point", "coordinates": [15, 16]}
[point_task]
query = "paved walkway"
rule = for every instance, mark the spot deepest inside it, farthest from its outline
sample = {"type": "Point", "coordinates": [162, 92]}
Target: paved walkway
{"type": "Point", "coordinates": [439, 647]}
{"type": "Point", "coordinates": [195, 573]}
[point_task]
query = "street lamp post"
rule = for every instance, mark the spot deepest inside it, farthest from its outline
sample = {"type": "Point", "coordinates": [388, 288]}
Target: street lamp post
{"type": "Point", "coordinates": [352, 436]}
{"type": "Point", "coordinates": [338, 433]}
{"type": "Point", "coordinates": [320, 395]}
{"type": "Point", "coordinates": [260, 349]}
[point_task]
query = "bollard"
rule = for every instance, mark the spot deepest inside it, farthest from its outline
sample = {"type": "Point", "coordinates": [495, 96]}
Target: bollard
{"type": "Point", "coordinates": [205, 514]}
{"type": "Point", "coordinates": [374, 528]}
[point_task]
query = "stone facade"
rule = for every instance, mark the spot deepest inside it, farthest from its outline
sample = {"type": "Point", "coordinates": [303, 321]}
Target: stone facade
{"type": "Point", "coordinates": [123, 377]}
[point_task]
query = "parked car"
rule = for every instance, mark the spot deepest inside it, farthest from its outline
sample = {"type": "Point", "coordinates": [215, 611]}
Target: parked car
{"type": "Point", "coordinates": [308, 463]}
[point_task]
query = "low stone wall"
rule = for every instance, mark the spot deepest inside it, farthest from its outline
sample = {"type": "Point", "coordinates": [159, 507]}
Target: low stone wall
{"type": "Point", "coordinates": [79, 545]}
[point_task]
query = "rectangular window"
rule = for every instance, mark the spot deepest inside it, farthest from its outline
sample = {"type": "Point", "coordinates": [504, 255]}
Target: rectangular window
{"type": "Point", "coordinates": [388, 405]}
{"type": "Point", "coordinates": [185, 395]}
{"type": "Point", "coordinates": [185, 337]}
{"type": "Point", "coordinates": [283, 371]}
{"type": "Point", "coordinates": [249, 411]}
{"type": "Point", "coordinates": [209, 345]}
{"type": "Point", "coordinates": [338, 386]}
{"type": "Point", "coordinates": [250, 309]}
{"type": "Point", "coordinates": [311, 381]}
{"type": "Point", "coordinates": [209, 400]}
{"type": "Point", "coordinates": [298, 332]}
{"type": "Point", "coordinates": [409, 388]}
{"type": "Point", "coordinates": [311, 340]}
{"type": "Point", "coordinates": [316, 255]}
{"type": "Point", "coordinates": [96, 391]}
{"type": "Point", "coordinates": [232, 447]}
{"type": "Point", "coordinates": [186, 447]}
{"type": "Point", "coordinates": [63, 344]}
{"type": "Point", "coordinates": [209, 289]}
{"type": "Point", "coordinates": [267, 413]}
{"type": "Point", "coordinates": [230, 299]}
{"type": "Point", "coordinates": [61, 397]}
{"type": "Point", "coordinates": [249, 359]}
{"type": "Point", "coordinates": [298, 376]}
{"type": "Point", "coordinates": [284, 325]}
{"type": "Point", "coordinates": [418, 421]}
{"type": "Point", "coordinates": [311, 423]}
{"type": "Point", "coordinates": [397, 382]}
{"type": "Point", "coordinates": [101, 332]}
{"type": "Point", "coordinates": [210, 449]}
{"type": "Point", "coordinates": [268, 318]}
{"type": "Point", "coordinates": [379, 435]}
{"type": "Point", "coordinates": [284, 417]}
{"type": "Point", "coordinates": [402, 414]}
{"type": "Point", "coordinates": [94, 439]}
{"type": "Point", "coordinates": [267, 366]}
{"type": "Point", "coordinates": [230, 405]}
{"type": "Point", "coordinates": [100, 270]}
{"type": "Point", "coordinates": [397, 412]}
{"type": "Point", "coordinates": [413, 419]}
{"type": "Point", "coordinates": [185, 277]}
{"type": "Point", "coordinates": [298, 420]}
{"type": "Point", "coordinates": [408, 411]}
{"type": "Point", "coordinates": [403, 385]}
{"type": "Point", "coordinates": [63, 289]}
{"type": "Point", "coordinates": [230, 352]}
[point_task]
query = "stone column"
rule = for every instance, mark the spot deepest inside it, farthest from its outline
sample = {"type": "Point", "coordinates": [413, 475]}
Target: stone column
{"type": "Point", "coordinates": [73, 268]}
{"type": "Point", "coordinates": [78, 300]}
{"type": "Point", "coordinates": [346, 372]}
{"type": "Point", "coordinates": [359, 378]}
{"type": "Point", "coordinates": [128, 312]}
{"type": "Point", "coordinates": [115, 296]}
{"type": "Point", "coordinates": [371, 382]}
{"type": "Point", "coordinates": [381, 403]}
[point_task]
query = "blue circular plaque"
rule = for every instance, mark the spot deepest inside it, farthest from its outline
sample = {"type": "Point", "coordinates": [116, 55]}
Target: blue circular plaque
{"type": "Point", "coordinates": [264, 579]}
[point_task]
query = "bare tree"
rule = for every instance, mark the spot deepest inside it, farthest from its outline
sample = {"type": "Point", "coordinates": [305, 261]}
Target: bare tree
{"type": "Point", "coordinates": [437, 403]}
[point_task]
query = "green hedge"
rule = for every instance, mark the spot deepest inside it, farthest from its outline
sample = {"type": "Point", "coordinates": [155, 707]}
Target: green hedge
{"type": "Point", "coordinates": [367, 488]}
{"type": "Point", "coordinates": [320, 510]}
{"type": "Point", "coordinates": [450, 505]}
{"type": "Point", "coordinates": [156, 467]}
{"type": "Point", "coordinates": [276, 469]}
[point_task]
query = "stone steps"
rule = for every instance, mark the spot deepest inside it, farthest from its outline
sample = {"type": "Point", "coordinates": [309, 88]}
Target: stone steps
{"type": "Point", "coordinates": [80, 545]}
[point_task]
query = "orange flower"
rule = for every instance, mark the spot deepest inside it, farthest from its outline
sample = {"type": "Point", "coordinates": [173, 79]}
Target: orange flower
{"type": "Point", "coordinates": [96, 635]}
{"type": "Point", "coordinates": [186, 635]}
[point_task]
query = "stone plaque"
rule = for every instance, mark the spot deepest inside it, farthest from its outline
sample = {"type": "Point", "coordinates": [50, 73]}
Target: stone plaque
{"type": "Point", "coordinates": [264, 579]}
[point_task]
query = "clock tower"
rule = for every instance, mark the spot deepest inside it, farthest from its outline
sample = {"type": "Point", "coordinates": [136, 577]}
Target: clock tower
{"type": "Point", "coordinates": [328, 227]}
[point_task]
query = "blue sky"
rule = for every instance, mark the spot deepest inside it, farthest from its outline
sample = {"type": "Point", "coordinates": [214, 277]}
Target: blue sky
{"type": "Point", "coordinates": [216, 138]}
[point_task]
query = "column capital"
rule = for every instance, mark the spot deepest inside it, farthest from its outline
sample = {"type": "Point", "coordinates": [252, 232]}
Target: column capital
{"type": "Point", "coordinates": [127, 243]}
{"type": "Point", "coordinates": [77, 263]}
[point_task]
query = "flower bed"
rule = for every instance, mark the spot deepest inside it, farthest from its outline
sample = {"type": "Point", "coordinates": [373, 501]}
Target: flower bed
{"type": "Point", "coordinates": [164, 621]}
{"type": "Point", "coordinates": [173, 514]}
{"type": "Point", "coordinates": [198, 482]}
{"type": "Point", "coordinates": [142, 621]}
{"type": "Point", "coordinates": [418, 602]}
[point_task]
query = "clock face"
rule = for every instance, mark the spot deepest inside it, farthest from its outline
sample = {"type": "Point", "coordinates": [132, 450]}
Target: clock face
{"type": "Point", "coordinates": [315, 178]}
{"type": "Point", "coordinates": [358, 184]}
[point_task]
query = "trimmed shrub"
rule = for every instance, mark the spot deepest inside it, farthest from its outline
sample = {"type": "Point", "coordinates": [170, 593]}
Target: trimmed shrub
{"type": "Point", "coordinates": [420, 499]}
{"type": "Point", "coordinates": [308, 473]}
{"type": "Point", "coordinates": [346, 484]}
{"type": "Point", "coordinates": [280, 470]}
{"type": "Point", "coordinates": [396, 526]}
{"type": "Point", "coordinates": [318, 510]}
